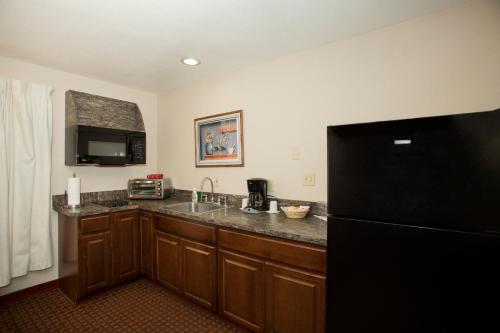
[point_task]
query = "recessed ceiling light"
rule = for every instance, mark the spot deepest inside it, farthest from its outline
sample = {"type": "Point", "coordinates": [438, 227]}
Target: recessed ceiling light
{"type": "Point", "coordinates": [190, 61]}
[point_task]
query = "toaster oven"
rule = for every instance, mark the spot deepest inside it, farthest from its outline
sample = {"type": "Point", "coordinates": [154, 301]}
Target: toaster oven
{"type": "Point", "coordinates": [146, 188]}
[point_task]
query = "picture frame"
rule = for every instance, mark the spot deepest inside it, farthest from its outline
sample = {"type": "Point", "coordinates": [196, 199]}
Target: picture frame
{"type": "Point", "coordinates": [219, 140]}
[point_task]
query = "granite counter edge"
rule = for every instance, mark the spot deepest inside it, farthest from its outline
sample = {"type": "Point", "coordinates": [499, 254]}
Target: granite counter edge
{"type": "Point", "coordinates": [92, 209]}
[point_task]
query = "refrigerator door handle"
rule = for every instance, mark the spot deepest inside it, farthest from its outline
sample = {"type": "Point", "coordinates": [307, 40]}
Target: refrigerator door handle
{"type": "Point", "coordinates": [492, 232]}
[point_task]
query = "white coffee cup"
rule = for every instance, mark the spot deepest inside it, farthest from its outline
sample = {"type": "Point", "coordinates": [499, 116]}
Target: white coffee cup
{"type": "Point", "coordinates": [273, 206]}
{"type": "Point", "coordinates": [244, 202]}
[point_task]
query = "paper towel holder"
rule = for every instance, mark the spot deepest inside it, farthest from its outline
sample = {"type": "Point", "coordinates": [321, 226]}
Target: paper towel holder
{"type": "Point", "coordinates": [72, 207]}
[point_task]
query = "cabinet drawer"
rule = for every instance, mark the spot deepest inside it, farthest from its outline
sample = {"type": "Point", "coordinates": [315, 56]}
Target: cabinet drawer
{"type": "Point", "coordinates": [186, 229]}
{"type": "Point", "coordinates": [300, 255]}
{"type": "Point", "coordinates": [94, 223]}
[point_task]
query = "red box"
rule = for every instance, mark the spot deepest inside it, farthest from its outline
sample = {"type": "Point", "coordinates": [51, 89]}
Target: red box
{"type": "Point", "coordinates": [155, 176]}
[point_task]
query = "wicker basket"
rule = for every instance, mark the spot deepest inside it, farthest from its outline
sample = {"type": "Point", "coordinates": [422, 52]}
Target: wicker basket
{"type": "Point", "coordinates": [294, 212]}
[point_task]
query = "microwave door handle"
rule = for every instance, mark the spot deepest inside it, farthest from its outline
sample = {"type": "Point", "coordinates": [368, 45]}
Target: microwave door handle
{"type": "Point", "coordinates": [130, 149]}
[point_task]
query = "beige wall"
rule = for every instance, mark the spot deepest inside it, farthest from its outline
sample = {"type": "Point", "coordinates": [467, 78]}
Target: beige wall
{"type": "Point", "coordinates": [93, 178]}
{"type": "Point", "coordinates": [444, 63]}
{"type": "Point", "coordinates": [440, 64]}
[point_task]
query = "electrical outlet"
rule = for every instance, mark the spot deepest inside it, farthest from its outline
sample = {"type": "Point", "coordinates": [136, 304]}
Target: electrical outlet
{"type": "Point", "coordinates": [309, 179]}
{"type": "Point", "coordinates": [216, 181]}
{"type": "Point", "coordinates": [295, 153]}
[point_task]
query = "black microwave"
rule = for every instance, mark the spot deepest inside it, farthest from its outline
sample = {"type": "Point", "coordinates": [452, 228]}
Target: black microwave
{"type": "Point", "coordinates": [88, 145]}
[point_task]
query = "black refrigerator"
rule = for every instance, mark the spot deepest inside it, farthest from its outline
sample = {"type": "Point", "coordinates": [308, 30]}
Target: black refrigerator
{"type": "Point", "coordinates": [414, 225]}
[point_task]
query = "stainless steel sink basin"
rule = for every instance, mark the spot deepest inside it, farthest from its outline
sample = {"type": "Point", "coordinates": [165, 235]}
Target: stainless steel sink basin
{"type": "Point", "coordinates": [189, 207]}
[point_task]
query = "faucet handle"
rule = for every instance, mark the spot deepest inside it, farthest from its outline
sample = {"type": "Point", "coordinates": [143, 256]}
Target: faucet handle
{"type": "Point", "coordinates": [221, 198]}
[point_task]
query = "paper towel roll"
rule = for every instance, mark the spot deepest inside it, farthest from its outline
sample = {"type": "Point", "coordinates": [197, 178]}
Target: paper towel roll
{"type": "Point", "coordinates": [73, 191]}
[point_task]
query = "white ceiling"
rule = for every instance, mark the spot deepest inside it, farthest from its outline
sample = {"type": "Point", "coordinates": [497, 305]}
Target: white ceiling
{"type": "Point", "coordinates": [140, 43]}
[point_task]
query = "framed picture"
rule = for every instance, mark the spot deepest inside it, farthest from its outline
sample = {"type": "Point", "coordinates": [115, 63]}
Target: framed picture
{"type": "Point", "coordinates": [219, 140]}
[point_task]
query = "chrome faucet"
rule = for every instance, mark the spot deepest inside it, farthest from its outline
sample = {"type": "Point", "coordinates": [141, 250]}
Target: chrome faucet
{"type": "Point", "coordinates": [211, 187]}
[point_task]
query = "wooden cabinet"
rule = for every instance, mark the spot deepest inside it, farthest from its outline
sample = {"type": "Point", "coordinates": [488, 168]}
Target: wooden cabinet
{"type": "Point", "coordinates": [187, 266]}
{"type": "Point", "coordinates": [277, 286]}
{"type": "Point", "coordinates": [95, 262]}
{"type": "Point", "coordinates": [199, 273]}
{"type": "Point", "coordinates": [295, 300]}
{"type": "Point", "coordinates": [265, 284]}
{"type": "Point", "coordinates": [97, 251]}
{"type": "Point", "coordinates": [125, 240]}
{"type": "Point", "coordinates": [92, 224]}
{"type": "Point", "coordinates": [241, 289]}
{"type": "Point", "coordinates": [146, 227]}
{"type": "Point", "coordinates": [199, 232]}
{"type": "Point", "coordinates": [297, 254]}
{"type": "Point", "coordinates": [168, 261]}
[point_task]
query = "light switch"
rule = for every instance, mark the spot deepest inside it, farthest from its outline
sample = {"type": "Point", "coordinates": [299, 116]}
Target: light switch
{"type": "Point", "coordinates": [295, 153]}
{"type": "Point", "coordinates": [309, 179]}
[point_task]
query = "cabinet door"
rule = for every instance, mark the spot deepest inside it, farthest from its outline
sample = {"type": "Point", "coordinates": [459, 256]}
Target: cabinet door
{"type": "Point", "coordinates": [295, 300]}
{"type": "Point", "coordinates": [168, 261]}
{"type": "Point", "coordinates": [241, 289]}
{"type": "Point", "coordinates": [199, 273]}
{"type": "Point", "coordinates": [95, 261]}
{"type": "Point", "coordinates": [125, 237]}
{"type": "Point", "coordinates": [146, 231]}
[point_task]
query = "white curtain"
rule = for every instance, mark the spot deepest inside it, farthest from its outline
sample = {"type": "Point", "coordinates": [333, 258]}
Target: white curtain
{"type": "Point", "coordinates": [25, 163]}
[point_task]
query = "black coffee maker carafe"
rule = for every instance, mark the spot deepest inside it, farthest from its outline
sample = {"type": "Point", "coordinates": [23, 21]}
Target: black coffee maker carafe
{"type": "Point", "coordinates": [257, 194]}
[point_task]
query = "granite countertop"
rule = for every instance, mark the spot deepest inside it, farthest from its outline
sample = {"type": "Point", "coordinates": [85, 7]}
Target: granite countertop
{"type": "Point", "coordinates": [309, 230]}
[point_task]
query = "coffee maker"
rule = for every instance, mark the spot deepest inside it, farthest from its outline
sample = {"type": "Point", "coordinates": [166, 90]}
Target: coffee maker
{"type": "Point", "coordinates": [257, 194]}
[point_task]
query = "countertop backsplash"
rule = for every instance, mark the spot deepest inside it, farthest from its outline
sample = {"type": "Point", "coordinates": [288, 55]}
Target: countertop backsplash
{"type": "Point", "coordinates": [92, 197]}
{"type": "Point", "coordinates": [317, 208]}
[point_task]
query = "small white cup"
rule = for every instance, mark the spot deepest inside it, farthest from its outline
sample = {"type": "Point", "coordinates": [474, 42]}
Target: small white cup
{"type": "Point", "coordinates": [273, 206]}
{"type": "Point", "coordinates": [244, 203]}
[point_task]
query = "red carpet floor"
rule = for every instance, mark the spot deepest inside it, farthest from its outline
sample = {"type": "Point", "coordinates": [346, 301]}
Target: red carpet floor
{"type": "Point", "coordinates": [139, 306]}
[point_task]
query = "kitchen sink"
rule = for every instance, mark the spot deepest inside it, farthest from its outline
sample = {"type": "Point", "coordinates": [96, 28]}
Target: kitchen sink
{"type": "Point", "coordinates": [189, 207]}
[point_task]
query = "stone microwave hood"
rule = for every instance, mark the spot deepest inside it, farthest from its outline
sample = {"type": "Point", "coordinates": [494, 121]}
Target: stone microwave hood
{"type": "Point", "coordinates": [103, 131]}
